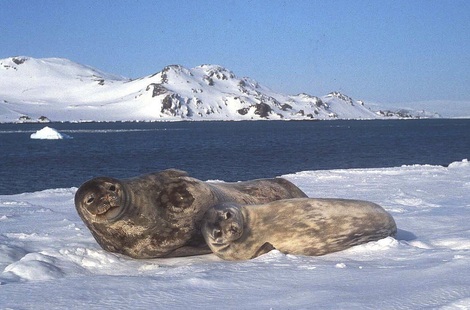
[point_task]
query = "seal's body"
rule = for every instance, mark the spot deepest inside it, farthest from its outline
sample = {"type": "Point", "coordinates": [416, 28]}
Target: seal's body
{"type": "Point", "coordinates": [159, 214]}
{"type": "Point", "coordinates": [303, 226]}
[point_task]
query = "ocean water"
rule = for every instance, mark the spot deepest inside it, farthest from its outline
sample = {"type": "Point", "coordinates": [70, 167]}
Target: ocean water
{"type": "Point", "coordinates": [229, 151]}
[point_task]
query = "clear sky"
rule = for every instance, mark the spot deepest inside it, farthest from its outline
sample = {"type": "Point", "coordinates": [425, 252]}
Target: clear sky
{"type": "Point", "coordinates": [383, 51]}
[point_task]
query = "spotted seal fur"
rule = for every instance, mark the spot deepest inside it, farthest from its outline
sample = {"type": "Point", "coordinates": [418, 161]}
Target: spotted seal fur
{"type": "Point", "coordinates": [303, 226]}
{"type": "Point", "coordinates": [159, 214]}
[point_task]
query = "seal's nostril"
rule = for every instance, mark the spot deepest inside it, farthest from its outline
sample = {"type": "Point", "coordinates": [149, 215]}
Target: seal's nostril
{"type": "Point", "coordinates": [217, 234]}
{"type": "Point", "coordinates": [233, 229]}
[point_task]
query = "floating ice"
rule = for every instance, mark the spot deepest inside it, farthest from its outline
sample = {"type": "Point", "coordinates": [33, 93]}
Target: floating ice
{"type": "Point", "coordinates": [48, 133]}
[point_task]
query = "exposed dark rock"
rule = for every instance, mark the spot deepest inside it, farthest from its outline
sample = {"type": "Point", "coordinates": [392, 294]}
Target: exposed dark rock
{"type": "Point", "coordinates": [400, 113]}
{"type": "Point", "coordinates": [342, 97]}
{"type": "Point", "coordinates": [242, 87]}
{"type": "Point", "coordinates": [189, 112]}
{"type": "Point", "coordinates": [314, 101]}
{"type": "Point", "coordinates": [43, 119]}
{"type": "Point", "coordinates": [164, 78]}
{"type": "Point", "coordinates": [175, 68]}
{"type": "Point", "coordinates": [18, 60]}
{"type": "Point", "coordinates": [262, 109]}
{"type": "Point", "coordinates": [243, 111]}
{"type": "Point", "coordinates": [220, 73]}
{"type": "Point", "coordinates": [286, 107]}
{"type": "Point", "coordinates": [404, 113]}
{"type": "Point", "coordinates": [384, 113]}
{"type": "Point", "coordinates": [158, 89]}
{"type": "Point", "coordinates": [250, 82]}
{"type": "Point", "coordinates": [98, 79]}
{"type": "Point", "coordinates": [208, 80]}
{"type": "Point", "coordinates": [24, 118]}
{"type": "Point", "coordinates": [10, 67]}
{"type": "Point", "coordinates": [171, 104]}
{"type": "Point", "coordinates": [318, 102]}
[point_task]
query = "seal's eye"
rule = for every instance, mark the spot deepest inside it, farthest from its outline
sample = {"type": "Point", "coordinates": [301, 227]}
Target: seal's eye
{"type": "Point", "coordinates": [228, 215]}
{"type": "Point", "coordinates": [90, 200]}
{"type": "Point", "coordinates": [112, 188]}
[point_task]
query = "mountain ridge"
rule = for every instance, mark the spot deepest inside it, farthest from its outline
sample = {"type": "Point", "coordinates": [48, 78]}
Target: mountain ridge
{"type": "Point", "coordinates": [58, 89]}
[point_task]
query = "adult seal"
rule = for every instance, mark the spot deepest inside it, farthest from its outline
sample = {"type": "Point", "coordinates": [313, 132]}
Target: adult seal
{"type": "Point", "coordinates": [159, 214]}
{"type": "Point", "coordinates": [303, 226]}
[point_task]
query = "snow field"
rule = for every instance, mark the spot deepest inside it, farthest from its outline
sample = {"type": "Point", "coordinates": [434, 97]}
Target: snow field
{"type": "Point", "coordinates": [61, 90]}
{"type": "Point", "coordinates": [49, 260]}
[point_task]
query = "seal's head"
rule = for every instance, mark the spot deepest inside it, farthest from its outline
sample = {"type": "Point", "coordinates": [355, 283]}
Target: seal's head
{"type": "Point", "coordinates": [101, 199]}
{"type": "Point", "coordinates": [222, 225]}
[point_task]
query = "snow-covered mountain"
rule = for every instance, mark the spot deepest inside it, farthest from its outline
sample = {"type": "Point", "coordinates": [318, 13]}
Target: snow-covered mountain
{"type": "Point", "coordinates": [60, 90]}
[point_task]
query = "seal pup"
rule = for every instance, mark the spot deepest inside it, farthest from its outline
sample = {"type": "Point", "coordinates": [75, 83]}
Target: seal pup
{"type": "Point", "coordinates": [303, 226]}
{"type": "Point", "coordinates": [159, 214]}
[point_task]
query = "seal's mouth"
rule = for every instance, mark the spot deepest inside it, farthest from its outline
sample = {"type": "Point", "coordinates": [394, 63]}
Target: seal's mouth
{"type": "Point", "coordinates": [219, 246]}
{"type": "Point", "coordinates": [103, 209]}
{"type": "Point", "coordinates": [217, 241]}
{"type": "Point", "coordinates": [110, 213]}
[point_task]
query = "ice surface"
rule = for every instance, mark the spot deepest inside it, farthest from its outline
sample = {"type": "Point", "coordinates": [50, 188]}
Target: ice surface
{"type": "Point", "coordinates": [48, 133]}
{"type": "Point", "coordinates": [49, 260]}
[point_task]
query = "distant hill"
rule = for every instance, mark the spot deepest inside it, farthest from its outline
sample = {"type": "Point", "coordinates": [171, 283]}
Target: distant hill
{"type": "Point", "coordinates": [55, 89]}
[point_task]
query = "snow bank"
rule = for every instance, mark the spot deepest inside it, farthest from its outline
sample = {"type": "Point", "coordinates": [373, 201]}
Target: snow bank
{"type": "Point", "coordinates": [48, 133]}
{"type": "Point", "coordinates": [49, 260]}
{"type": "Point", "coordinates": [460, 164]}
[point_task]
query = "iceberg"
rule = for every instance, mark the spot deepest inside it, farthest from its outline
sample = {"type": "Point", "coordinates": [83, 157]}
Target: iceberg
{"type": "Point", "coordinates": [48, 133]}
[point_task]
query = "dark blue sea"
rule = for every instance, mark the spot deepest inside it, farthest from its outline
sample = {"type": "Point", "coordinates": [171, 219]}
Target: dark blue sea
{"type": "Point", "coordinates": [230, 151]}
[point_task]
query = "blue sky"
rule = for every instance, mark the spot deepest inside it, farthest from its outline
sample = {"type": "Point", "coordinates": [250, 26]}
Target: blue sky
{"type": "Point", "coordinates": [381, 51]}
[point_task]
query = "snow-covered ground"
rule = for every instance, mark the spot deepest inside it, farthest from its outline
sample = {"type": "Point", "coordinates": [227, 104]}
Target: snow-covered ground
{"type": "Point", "coordinates": [48, 258]}
{"type": "Point", "coordinates": [54, 89]}
{"type": "Point", "coordinates": [445, 108]}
